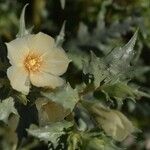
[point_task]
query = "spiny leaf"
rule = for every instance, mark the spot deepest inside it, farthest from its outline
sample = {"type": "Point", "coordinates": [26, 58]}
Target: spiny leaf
{"type": "Point", "coordinates": [6, 108]}
{"type": "Point", "coordinates": [50, 132]}
{"type": "Point", "coordinates": [22, 27]}
{"type": "Point", "coordinates": [120, 58]}
{"type": "Point", "coordinates": [128, 48]}
{"type": "Point", "coordinates": [66, 96]}
{"type": "Point", "coordinates": [112, 67]}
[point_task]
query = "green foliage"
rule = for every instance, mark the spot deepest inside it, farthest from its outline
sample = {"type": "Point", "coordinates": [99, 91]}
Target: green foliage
{"type": "Point", "coordinates": [50, 132]}
{"type": "Point", "coordinates": [112, 72]}
{"type": "Point", "coordinates": [103, 75]}
{"type": "Point", "coordinates": [111, 68]}
{"type": "Point", "coordinates": [91, 140]}
{"type": "Point", "coordinates": [120, 91]}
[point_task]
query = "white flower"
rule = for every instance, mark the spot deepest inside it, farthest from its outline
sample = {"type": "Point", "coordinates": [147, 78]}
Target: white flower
{"type": "Point", "coordinates": [35, 58]}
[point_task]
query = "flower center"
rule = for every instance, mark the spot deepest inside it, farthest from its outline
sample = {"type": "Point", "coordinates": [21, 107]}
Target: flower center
{"type": "Point", "coordinates": [33, 62]}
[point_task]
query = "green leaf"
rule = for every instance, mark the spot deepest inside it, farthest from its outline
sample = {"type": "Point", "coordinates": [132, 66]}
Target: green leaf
{"type": "Point", "coordinates": [6, 108]}
{"type": "Point", "coordinates": [66, 96]}
{"type": "Point", "coordinates": [120, 91]}
{"type": "Point", "coordinates": [112, 67]}
{"type": "Point", "coordinates": [50, 132]}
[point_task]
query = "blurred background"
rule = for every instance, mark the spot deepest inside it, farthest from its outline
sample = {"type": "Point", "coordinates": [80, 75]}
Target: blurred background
{"type": "Point", "coordinates": [99, 25]}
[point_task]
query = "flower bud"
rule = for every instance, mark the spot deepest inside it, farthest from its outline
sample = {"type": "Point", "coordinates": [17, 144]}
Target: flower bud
{"type": "Point", "coordinates": [113, 122]}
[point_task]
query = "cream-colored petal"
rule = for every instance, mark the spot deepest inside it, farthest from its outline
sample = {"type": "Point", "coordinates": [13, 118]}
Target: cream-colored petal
{"type": "Point", "coordinates": [56, 62]}
{"type": "Point", "coordinates": [42, 79]}
{"type": "Point", "coordinates": [126, 122]}
{"type": "Point", "coordinates": [41, 43]}
{"type": "Point", "coordinates": [19, 79]}
{"type": "Point", "coordinates": [17, 50]}
{"type": "Point", "coordinates": [108, 127]}
{"type": "Point", "coordinates": [122, 133]}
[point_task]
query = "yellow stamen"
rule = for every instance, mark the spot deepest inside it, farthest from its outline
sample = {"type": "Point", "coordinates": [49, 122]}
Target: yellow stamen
{"type": "Point", "coordinates": [33, 62]}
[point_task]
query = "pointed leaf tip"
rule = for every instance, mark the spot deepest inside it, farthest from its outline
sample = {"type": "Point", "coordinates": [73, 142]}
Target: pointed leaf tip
{"type": "Point", "coordinates": [130, 45]}
{"type": "Point", "coordinates": [62, 2]}
{"type": "Point", "coordinates": [61, 36]}
{"type": "Point", "coordinates": [22, 27]}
